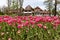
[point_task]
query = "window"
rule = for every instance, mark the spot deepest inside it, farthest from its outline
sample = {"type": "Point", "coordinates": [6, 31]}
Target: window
{"type": "Point", "coordinates": [25, 10]}
{"type": "Point", "coordinates": [29, 10]}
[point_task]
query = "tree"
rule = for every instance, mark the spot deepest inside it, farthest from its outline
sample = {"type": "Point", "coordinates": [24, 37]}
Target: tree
{"type": "Point", "coordinates": [21, 4]}
{"type": "Point", "coordinates": [9, 3]}
{"type": "Point", "coordinates": [1, 11]}
{"type": "Point", "coordinates": [15, 4]}
{"type": "Point", "coordinates": [56, 3]}
{"type": "Point", "coordinates": [55, 8]}
{"type": "Point", "coordinates": [49, 5]}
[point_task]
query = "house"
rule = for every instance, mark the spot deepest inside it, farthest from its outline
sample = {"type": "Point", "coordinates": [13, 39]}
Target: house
{"type": "Point", "coordinates": [28, 10]}
{"type": "Point", "coordinates": [37, 11]}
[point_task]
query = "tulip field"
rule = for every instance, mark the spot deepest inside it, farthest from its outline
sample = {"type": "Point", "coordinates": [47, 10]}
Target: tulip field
{"type": "Point", "coordinates": [30, 28]}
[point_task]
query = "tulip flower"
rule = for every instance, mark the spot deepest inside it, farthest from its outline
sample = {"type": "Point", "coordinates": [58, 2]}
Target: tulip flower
{"type": "Point", "coordinates": [26, 23]}
{"type": "Point", "coordinates": [20, 26]}
{"type": "Point", "coordinates": [40, 25]}
{"type": "Point", "coordinates": [32, 22]}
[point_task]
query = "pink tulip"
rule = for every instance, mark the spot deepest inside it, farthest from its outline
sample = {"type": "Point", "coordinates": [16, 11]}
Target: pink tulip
{"type": "Point", "coordinates": [19, 21]}
{"type": "Point", "coordinates": [26, 23]}
{"type": "Point", "coordinates": [55, 17]}
{"type": "Point", "coordinates": [37, 19]}
{"type": "Point", "coordinates": [14, 20]}
{"type": "Point", "coordinates": [1, 20]}
{"type": "Point", "coordinates": [5, 19]}
{"type": "Point", "coordinates": [40, 25]}
{"type": "Point", "coordinates": [6, 16]}
{"type": "Point", "coordinates": [55, 25]}
{"type": "Point", "coordinates": [57, 21]}
{"type": "Point", "coordinates": [32, 22]}
{"type": "Point", "coordinates": [49, 20]}
{"type": "Point", "coordinates": [19, 26]}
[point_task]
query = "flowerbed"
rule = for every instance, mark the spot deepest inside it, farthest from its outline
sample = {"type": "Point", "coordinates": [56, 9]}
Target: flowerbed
{"type": "Point", "coordinates": [29, 28]}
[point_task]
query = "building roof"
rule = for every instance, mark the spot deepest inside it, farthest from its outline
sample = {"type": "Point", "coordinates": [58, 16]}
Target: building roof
{"type": "Point", "coordinates": [28, 7]}
{"type": "Point", "coordinates": [38, 8]}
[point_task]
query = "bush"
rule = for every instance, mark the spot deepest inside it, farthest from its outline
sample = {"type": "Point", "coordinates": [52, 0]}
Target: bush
{"type": "Point", "coordinates": [1, 13]}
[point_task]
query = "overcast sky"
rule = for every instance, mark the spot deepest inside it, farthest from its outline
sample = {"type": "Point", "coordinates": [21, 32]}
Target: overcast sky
{"type": "Point", "coordinates": [33, 3]}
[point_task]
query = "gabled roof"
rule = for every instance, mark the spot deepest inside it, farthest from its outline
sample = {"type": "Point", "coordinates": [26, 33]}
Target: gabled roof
{"type": "Point", "coordinates": [38, 8]}
{"type": "Point", "coordinates": [28, 7]}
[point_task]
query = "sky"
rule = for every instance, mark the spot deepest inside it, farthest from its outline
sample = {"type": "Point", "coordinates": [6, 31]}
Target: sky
{"type": "Point", "coordinates": [33, 3]}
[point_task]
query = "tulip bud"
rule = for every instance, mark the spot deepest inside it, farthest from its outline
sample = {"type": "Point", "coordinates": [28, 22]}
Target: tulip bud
{"type": "Point", "coordinates": [44, 27]}
{"type": "Point", "coordinates": [18, 31]}
{"type": "Point", "coordinates": [26, 30]}
{"type": "Point", "coordinates": [32, 26]}
{"type": "Point", "coordinates": [2, 33]}
{"type": "Point", "coordinates": [9, 38]}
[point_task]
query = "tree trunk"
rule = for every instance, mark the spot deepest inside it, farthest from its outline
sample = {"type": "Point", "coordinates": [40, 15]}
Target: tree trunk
{"type": "Point", "coordinates": [55, 8]}
{"type": "Point", "coordinates": [8, 6]}
{"type": "Point", "coordinates": [20, 13]}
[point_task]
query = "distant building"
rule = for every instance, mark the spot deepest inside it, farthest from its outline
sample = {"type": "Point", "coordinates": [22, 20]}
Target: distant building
{"type": "Point", "coordinates": [32, 11]}
{"type": "Point", "coordinates": [28, 10]}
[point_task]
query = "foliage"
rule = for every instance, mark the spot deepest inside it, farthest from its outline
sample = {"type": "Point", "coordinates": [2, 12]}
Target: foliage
{"type": "Point", "coordinates": [49, 5]}
{"type": "Point", "coordinates": [1, 13]}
